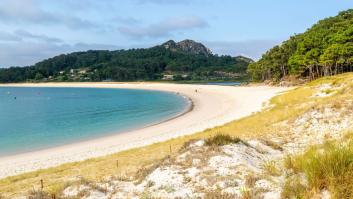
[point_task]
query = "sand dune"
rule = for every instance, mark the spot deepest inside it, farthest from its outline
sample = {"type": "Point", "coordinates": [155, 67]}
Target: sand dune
{"type": "Point", "coordinates": [212, 106]}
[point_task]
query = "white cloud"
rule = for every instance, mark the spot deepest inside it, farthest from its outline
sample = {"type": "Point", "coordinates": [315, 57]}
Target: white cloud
{"type": "Point", "coordinates": [36, 29]}
{"type": "Point", "coordinates": [31, 48]}
{"type": "Point", "coordinates": [23, 11]}
{"type": "Point", "coordinates": [9, 37]}
{"type": "Point", "coordinates": [41, 38]}
{"type": "Point", "coordinates": [22, 35]}
{"type": "Point", "coordinates": [164, 28]}
{"type": "Point", "coordinates": [30, 12]}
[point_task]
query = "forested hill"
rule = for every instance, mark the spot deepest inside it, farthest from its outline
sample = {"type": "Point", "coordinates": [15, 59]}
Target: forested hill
{"type": "Point", "coordinates": [185, 60]}
{"type": "Point", "coordinates": [324, 49]}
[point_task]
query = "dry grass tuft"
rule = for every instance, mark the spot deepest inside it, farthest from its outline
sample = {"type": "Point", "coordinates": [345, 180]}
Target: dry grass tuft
{"type": "Point", "coordinates": [327, 167]}
{"type": "Point", "coordinates": [272, 144]}
{"type": "Point", "coordinates": [141, 174]}
{"type": "Point", "coordinates": [271, 168]}
{"type": "Point", "coordinates": [217, 194]}
{"type": "Point", "coordinates": [246, 194]}
{"type": "Point", "coordinates": [250, 180]}
{"type": "Point", "coordinates": [38, 194]}
{"type": "Point", "coordinates": [293, 188]}
{"type": "Point", "coordinates": [221, 139]}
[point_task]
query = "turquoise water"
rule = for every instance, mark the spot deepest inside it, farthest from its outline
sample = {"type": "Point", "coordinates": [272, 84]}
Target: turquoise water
{"type": "Point", "coordinates": [38, 118]}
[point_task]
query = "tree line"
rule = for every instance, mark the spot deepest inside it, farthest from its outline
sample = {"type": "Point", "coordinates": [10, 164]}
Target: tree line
{"type": "Point", "coordinates": [126, 65]}
{"type": "Point", "coordinates": [323, 50]}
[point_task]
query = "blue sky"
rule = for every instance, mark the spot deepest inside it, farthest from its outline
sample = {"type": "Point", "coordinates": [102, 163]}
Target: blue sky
{"type": "Point", "coordinates": [32, 30]}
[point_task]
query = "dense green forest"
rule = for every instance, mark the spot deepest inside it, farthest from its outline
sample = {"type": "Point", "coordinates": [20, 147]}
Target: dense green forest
{"type": "Point", "coordinates": [153, 63]}
{"type": "Point", "coordinates": [324, 49]}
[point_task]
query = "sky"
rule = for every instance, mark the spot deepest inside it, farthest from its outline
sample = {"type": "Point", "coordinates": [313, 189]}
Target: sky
{"type": "Point", "coordinates": [33, 30]}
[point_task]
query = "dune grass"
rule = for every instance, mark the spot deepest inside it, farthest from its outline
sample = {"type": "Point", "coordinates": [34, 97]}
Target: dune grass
{"type": "Point", "coordinates": [294, 188]}
{"type": "Point", "coordinates": [329, 166]}
{"type": "Point", "coordinates": [220, 140]}
{"type": "Point", "coordinates": [285, 107]}
{"type": "Point", "coordinates": [271, 168]}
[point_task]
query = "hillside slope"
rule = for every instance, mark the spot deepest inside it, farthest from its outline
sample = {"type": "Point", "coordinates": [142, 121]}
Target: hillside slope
{"type": "Point", "coordinates": [186, 60]}
{"type": "Point", "coordinates": [324, 49]}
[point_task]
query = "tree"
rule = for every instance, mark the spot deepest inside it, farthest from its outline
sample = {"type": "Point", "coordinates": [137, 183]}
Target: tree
{"type": "Point", "coordinates": [324, 49]}
{"type": "Point", "coordinates": [126, 65]}
{"type": "Point", "coordinates": [39, 76]}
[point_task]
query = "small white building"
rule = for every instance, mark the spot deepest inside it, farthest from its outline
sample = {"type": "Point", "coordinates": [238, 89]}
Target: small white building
{"type": "Point", "coordinates": [168, 77]}
{"type": "Point", "coordinates": [82, 71]}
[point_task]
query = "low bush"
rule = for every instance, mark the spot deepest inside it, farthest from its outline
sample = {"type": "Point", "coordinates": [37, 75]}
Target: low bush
{"type": "Point", "coordinates": [220, 140]}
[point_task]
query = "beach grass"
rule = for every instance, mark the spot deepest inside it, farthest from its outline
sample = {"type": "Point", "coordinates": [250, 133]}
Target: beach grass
{"type": "Point", "coordinates": [220, 140]}
{"type": "Point", "coordinates": [285, 107]}
{"type": "Point", "coordinates": [327, 167]}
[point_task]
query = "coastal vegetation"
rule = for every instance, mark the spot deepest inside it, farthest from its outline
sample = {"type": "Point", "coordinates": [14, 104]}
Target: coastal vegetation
{"type": "Point", "coordinates": [328, 166]}
{"type": "Point", "coordinates": [299, 146]}
{"type": "Point", "coordinates": [307, 110]}
{"type": "Point", "coordinates": [220, 140]}
{"type": "Point", "coordinates": [325, 49]}
{"type": "Point", "coordinates": [183, 61]}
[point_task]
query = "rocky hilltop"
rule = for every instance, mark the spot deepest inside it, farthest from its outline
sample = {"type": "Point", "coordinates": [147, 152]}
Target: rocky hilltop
{"type": "Point", "coordinates": [187, 60]}
{"type": "Point", "coordinates": [188, 46]}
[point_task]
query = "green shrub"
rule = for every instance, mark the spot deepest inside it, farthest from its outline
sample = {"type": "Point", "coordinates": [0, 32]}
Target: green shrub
{"type": "Point", "coordinates": [220, 140]}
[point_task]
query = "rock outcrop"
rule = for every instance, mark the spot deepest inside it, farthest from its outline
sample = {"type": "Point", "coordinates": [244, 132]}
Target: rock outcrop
{"type": "Point", "coordinates": [188, 46]}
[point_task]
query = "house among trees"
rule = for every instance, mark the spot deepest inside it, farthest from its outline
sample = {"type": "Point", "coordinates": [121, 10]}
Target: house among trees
{"type": "Point", "coordinates": [168, 77]}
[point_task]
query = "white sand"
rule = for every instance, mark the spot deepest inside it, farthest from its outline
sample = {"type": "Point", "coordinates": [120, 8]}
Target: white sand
{"type": "Point", "coordinates": [213, 106]}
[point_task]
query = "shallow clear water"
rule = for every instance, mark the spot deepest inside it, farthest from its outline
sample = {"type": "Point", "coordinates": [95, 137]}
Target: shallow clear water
{"type": "Point", "coordinates": [38, 118]}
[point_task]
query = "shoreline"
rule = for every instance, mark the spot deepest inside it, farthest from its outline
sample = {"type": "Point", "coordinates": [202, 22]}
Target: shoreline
{"type": "Point", "coordinates": [211, 106]}
{"type": "Point", "coordinates": [188, 108]}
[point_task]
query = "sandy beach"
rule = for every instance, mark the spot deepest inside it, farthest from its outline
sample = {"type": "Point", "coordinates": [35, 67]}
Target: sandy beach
{"type": "Point", "coordinates": [212, 106]}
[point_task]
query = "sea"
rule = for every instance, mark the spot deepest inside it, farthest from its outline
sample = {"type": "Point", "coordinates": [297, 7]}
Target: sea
{"type": "Point", "coordinates": [35, 118]}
